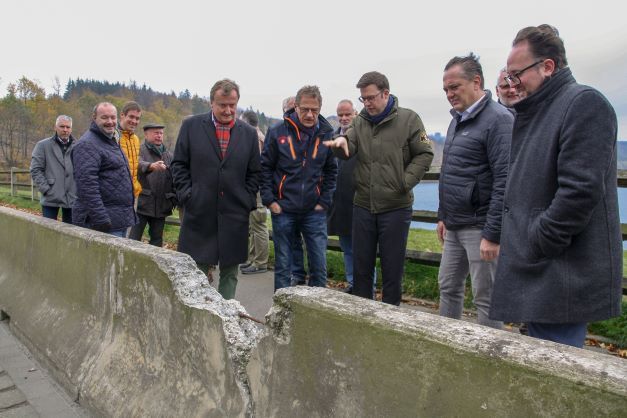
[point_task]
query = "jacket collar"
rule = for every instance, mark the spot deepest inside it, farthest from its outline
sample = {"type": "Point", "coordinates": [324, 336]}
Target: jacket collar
{"type": "Point", "coordinates": [364, 113]}
{"type": "Point", "coordinates": [483, 102]}
{"type": "Point", "coordinates": [324, 127]}
{"type": "Point", "coordinates": [547, 90]}
{"type": "Point", "coordinates": [96, 130]}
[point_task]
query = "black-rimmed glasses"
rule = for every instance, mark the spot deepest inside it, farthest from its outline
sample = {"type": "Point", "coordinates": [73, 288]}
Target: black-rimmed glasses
{"type": "Point", "coordinates": [369, 98]}
{"type": "Point", "coordinates": [514, 79]}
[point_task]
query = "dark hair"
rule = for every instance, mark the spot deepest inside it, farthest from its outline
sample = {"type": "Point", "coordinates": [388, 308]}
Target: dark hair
{"type": "Point", "coordinates": [226, 86]}
{"type": "Point", "coordinates": [311, 91]}
{"type": "Point", "coordinates": [544, 42]}
{"type": "Point", "coordinates": [376, 78]}
{"type": "Point", "coordinates": [470, 66]}
{"type": "Point", "coordinates": [250, 117]}
{"type": "Point", "coordinates": [128, 106]}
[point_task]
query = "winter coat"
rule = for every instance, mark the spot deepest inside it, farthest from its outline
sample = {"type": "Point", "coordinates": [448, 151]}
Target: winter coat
{"type": "Point", "coordinates": [217, 194]}
{"type": "Point", "coordinates": [104, 191]}
{"type": "Point", "coordinates": [298, 173]}
{"type": "Point", "coordinates": [340, 217]}
{"type": "Point", "coordinates": [392, 157]}
{"type": "Point", "coordinates": [561, 251]}
{"type": "Point", "coordinates": [157, 196]}
{"type": "Point", "coordinates": [129, 142]}
{"type": "Point", "coordinates": [53, 173]}
{"type": "Point", "coordinates": [474, 169]}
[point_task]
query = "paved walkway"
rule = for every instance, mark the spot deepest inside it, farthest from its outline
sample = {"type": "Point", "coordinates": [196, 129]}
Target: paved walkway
{"type": "Point", "coordinates": [26, 390]}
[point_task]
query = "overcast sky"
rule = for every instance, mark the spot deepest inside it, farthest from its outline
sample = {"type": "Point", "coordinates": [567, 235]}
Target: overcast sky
{"type": "Point", "coordinates": [272, 48]}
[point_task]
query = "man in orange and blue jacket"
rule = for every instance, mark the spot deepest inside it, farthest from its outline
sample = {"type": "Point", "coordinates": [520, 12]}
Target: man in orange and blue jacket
{"type": "Point", "coordinates": [298, 181]}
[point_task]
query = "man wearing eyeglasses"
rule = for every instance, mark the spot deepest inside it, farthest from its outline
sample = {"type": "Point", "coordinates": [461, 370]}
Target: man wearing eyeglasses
{"type": "Point", "coordinates": [393, 153]}
{"type": "Point", "coordinates": [472, 181]}
{"type": "Point", "coordinates": [298, 180]}
{"type": "Point", "coordinates": [560, 265]}
{"type": "Point", "coordinates": [506, 94]}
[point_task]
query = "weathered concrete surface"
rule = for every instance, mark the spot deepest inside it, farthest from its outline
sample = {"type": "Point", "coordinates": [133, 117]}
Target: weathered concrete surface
{"type": "Point", "coordinates": [326, 355]}
{"type": "Point", "coordinates": [129, 329]}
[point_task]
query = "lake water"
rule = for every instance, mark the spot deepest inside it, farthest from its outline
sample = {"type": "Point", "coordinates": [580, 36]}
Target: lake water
{"type": "Point", "coordinates": [426, 198]}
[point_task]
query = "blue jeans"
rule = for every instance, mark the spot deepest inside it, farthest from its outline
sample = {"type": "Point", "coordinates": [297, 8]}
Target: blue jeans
{"type": "Point", "coordinates": [298, 260]}
{"type": "Point", "coordinates": [119, 233]}
{"type": "Point", "coordinates": [569, 334]}
{"type": "Point", "coordinates": [346, 244]}
{"type": "Point", "coordinates": [313, 227]}
{"type": "Point", "coordinates": [52, 212]}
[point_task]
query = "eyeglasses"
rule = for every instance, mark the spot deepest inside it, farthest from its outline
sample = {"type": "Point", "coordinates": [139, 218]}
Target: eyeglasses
{"type": "Point", "coordinates": [306, 110]}
{"type": "Point", "coordinates": [370, 98]}
{"type": "Point", "coordinates": [514, 79]}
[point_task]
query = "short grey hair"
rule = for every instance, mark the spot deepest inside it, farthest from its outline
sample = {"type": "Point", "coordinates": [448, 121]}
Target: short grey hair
{"type": "Point", "coordinates": [62, 117]}
{"type": "Point", "coordinates": [286, 102]}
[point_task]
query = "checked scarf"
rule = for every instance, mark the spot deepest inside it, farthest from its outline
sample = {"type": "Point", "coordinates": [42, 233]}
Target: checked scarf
{"type": "Point", "coordinates": [223, 133]}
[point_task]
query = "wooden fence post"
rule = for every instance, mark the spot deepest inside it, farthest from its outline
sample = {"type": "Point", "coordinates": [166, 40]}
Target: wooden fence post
{"type": "Point", "coordinates": [13, 181]}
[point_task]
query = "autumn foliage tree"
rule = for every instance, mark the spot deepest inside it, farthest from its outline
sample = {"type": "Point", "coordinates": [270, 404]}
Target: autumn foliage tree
{"type": "Point", "coordinates": [27, 114]}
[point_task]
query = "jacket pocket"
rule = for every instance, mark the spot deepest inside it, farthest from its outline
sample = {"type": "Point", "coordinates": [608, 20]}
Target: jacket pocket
{"type": "Point", "coordinates": [51, 181]}
{"type": "Point", "coordinates": [535, 251]}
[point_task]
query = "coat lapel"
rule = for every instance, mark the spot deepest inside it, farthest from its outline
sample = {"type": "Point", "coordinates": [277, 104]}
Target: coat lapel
{"type": "Point", "coordinates": [56, 150]}
{"type": "Point", "coordinates": [210, 130]}
{"type": "Point", "coordinates": [234, 140]}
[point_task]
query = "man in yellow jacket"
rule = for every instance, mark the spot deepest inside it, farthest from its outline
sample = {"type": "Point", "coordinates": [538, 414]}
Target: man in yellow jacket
{"type": "Point", "coordinates": [129, 142]}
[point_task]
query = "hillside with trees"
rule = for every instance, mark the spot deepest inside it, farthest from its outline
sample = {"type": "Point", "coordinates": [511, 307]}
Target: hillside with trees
{"type": "Point", "coordinates": [28, 113]}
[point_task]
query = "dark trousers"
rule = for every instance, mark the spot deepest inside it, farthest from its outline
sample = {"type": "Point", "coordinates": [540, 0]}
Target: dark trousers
{"type": "Point", "coordinates": [389, 232]}
{"type": "Point", "coordinates": [52, 212]}
{"type": "Point", "coordinates": [155, 229]}
{"type": "Point", "coordinates": [569, 334]}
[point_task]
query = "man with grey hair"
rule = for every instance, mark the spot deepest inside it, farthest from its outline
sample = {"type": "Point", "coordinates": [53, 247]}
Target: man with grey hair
{"type": "Point", "coordinates": [52, 171]}
{"type": "Point", "coordinates": [216, 177]}
{"type": "Point", "coordinates": [298, 180]}
{"type": "Point", "coordinates": [104, 188]}
{"type": "Point", "coordinates": [506, 94]}
{"type": "Point", "coordinates": [472, 182]}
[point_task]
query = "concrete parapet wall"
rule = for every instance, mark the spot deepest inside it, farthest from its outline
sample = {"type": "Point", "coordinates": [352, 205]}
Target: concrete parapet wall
{"type": "Point", "coordinates": [133, 330]}
{"type": "Point", "coordinates": [129, 329]}
{"type": "Point", "coordinates": [329, 354]}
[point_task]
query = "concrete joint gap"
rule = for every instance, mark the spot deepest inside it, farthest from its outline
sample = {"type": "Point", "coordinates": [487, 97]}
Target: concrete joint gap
{"type": "Point", "coordinates": [17, 405]}
{"type": "Point", "coordinates": [12, 387]}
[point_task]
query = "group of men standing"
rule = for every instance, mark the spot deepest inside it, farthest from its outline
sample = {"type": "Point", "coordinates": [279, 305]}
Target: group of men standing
{"type": "Point", "coordinates": [525, 207]}
{"type": "Point", "coordinates": [528, 198]}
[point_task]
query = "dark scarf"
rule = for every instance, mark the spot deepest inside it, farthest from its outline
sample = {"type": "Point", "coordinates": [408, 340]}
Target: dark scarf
{"type": "Point", "coordinates": [159, 150]}
{"type": "Point", "coordinates": [64, 145]}
{"type": "Point", "coordinates": [308, 131]}
{"type": "Point", "coordinates": [378, 118]}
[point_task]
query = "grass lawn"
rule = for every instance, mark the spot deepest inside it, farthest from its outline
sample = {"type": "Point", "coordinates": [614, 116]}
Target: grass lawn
{"type": "Point", "coordinates": [420, 281]}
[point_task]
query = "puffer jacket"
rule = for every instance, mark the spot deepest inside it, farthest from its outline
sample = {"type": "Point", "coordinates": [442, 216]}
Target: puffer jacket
{"type": "Point", "coordinates": [474, 169]}
{"type": "Point", "coordinates": [104, 191]}
{"type": "Point", "coordinates": [297, 172]}
{"type": "Point", "coordinates": [129, 142]}
{"type": "Point", "coordinates": [392, 157]}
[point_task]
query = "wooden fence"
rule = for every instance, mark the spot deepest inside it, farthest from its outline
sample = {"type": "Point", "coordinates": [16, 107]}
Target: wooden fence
{"type": "Point", "coordinates": [421, 257]}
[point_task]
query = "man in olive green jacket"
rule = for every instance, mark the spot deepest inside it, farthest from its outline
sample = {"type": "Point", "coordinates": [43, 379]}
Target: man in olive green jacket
{"type": "Point", "coordinates": [393, 154]}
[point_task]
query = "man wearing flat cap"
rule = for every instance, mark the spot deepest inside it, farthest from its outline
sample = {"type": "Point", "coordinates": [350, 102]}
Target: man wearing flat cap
{"type": "Point", "coordinates": [157, 198]}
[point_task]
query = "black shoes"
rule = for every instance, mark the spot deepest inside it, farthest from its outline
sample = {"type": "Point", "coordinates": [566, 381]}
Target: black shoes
{"type": "Point", "coordinates": [252, 269]}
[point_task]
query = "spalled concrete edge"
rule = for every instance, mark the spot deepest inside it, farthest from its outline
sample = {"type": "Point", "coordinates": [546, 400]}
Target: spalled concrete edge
{"type": "Point", "coordinates": [193, 289]}
{"type": "Point", "coordinates": [190, 286]}
{"type": "Point", "coordinates": [576, 365]}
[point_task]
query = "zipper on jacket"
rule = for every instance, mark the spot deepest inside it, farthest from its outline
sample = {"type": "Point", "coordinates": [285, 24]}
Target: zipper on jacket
{"type": "Point", "coordinates": [281, 186]}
